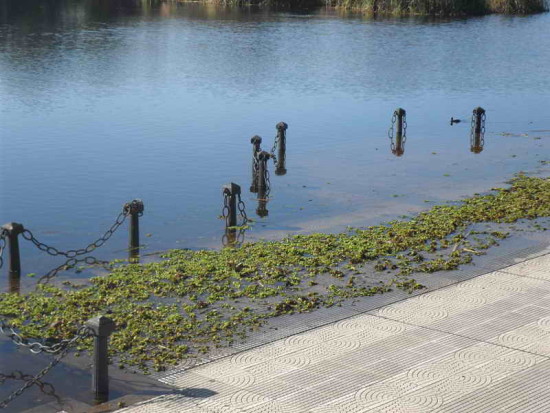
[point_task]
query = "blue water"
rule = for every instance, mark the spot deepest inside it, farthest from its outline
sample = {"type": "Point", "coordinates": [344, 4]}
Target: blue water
{"type": "Point", "coordinates": [102, 103]}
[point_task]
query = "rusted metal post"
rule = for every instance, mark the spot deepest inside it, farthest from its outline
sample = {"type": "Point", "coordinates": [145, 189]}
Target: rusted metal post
{"type": "Point", "coordinates": [256, 142]}
{"type": "Point", "coordinates": [280, 167]}
{"type": "Point", "coordinates": [13, 230]}
{"type": "Point", "coordinates": [101, 328]}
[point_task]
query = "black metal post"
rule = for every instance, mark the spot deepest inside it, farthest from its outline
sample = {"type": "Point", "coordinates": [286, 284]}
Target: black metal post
{"type": "Point", "coordinates": [14, 229]}
{"type": "Point", "coordinates": [400, 114]}
{"type": "Point", "coordinates": [261, 210]}
{"type": "Point", "coordinates": [478, 119]}
{"type": "Point", "coordinates": [232, 191]}
{"type": "Point", "coordinates": [263, 157]}
{"type": "Point", "coordinates": [101, 328]}
{"type": "Point", "coordinates": [256, 142]}
{"type": "Point", "coordinates": [135, 210]}
{"type": "Point", "coordinates": [280, 168]}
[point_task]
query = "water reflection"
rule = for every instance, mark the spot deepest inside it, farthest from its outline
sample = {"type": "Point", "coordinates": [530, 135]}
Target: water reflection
{"type": "Point", "coordinates": [263, 184]}
{"type": "Point", "coordinates": [398, 132]}
{"type": "Point", "coordinates": [477, 132]}
{"type": "Point", "coordinates": [233, 205]}
{"type": "Point", "coordinates": [20, 378]}
{"type": "Point", "coordinates": [71, 263]}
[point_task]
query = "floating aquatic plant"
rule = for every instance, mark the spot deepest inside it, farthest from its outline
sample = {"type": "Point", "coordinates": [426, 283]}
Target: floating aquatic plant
{"type": "Point", "coordinates": [191, 301]}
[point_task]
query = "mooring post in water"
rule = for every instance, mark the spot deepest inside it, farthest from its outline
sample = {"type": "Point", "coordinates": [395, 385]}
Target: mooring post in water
{"type": "Point", "coordinates": [101, 328]}
{"type": "Point", "coordinates": [479, 119]}
{"type": "Point", "coordinates": [400, 115]}
{"type": "Point", "coordinates": [477, 140]}
{"type": "Point", "coordinates": [261, 210]}
{"type": "Point", "coordinates": [135, 210]}
{"type": "Point", "coordinates": [230, 194]}
{"type": "Point", "coordinates": [280, 167]}
{"type": "Point", "coordinates": [256, 142]}
{"type": "Point", "coordinates": [12, 230]}
{"type": "Point", "coordinates": [263, 157]}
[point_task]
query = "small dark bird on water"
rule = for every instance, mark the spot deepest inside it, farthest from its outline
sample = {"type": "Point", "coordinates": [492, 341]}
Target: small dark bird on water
{"type": "Point", "coordinates": [453, 120]}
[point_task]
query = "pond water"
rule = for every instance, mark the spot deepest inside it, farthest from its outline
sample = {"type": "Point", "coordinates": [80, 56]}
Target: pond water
{"type": "Point", "coordinates": [102, 102]}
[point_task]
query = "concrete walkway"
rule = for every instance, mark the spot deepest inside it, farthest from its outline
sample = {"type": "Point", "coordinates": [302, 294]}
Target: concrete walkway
{"type": "Point", "coordinates": [477, 346]}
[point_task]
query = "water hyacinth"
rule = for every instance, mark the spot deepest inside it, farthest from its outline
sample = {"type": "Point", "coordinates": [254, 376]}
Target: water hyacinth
{"type": "Point", "coordinates": [190, 301]}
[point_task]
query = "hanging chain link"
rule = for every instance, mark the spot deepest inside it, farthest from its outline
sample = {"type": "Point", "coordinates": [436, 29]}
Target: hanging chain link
{"type": "Point", "coordinates": [46, 388]}
{"type": "Point", "coordinates": [37, 347]}
{"type": "Point", "coordinates": [3, 236]}
{"type": "Point", "coordinates": [273, 149]}
{"type": "Point", "coordinates": [242, 209]}
{"type": "Point", "coordinates": [62, 353]}
{"type": "Point", "coordinates": [136, 206]}
{"type": "Point", "coordinates": [71, 263]}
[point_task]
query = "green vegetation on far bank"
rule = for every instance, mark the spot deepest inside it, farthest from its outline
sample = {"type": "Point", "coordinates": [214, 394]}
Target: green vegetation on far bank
{"type": "Point", "coordinates": [443, 7]}
{"type": "Point", "coordinates": [194, 300]}
{"type": "Point", "coordinates": [407, 7]}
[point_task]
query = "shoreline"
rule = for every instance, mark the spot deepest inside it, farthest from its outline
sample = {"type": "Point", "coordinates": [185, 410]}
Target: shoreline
{"type": "Point", "coordinates": [402, 8]}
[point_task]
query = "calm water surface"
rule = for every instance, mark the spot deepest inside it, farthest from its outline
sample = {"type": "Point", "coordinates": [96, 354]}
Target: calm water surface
{"type": "Point", "coordinates": [103, 102]}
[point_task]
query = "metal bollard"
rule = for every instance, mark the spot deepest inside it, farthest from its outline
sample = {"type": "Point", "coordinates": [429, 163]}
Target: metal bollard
{"type": "Point", "coordinates": [135, 210]}
{"type": "Point", "coordinates": [477, 134]}
{"type": "Point", "coordinates": [231, 192]}
{"type": "Point", "coordinates": [280, 167]}
{"type": "Point", "coordinates": [101, 328]}
{"type": "Point", "coordinates": [256, 142]}
{"type": "Point", "coordinates": [400, 114]}
{"type": "Point", "coordinates": [14, 229]}
{"type": "Point", "coordinates": [261, 210]}
{"type": "Point", "coordinates": [478, 119]}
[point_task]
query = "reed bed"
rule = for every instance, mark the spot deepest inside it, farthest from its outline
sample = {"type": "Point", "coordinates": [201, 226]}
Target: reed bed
{"type": "Point", "coordinates": [408, 7]}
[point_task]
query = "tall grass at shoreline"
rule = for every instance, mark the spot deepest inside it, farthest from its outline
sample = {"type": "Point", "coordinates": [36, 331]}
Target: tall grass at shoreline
{"type": "Point", "coordinates": [407, 7]}
{"type": "Point", "coordinates": [443, 7]}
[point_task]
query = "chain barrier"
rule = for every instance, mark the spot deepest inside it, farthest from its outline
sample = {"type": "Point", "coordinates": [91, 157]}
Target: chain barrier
{"type": "Point", "coordinates": [46, 388]}
{"type": "Point", "coordinates": [37, 347]}
{"type": "Point", "coordinates": [274, 148]}
{"type": "Point", "coordinates": [71, 263]}
{"type": "Point", "coordinates": [3, 236]}
{"type": "Point", "coordinates": [128, 208]}
{"type": "Point", "coordinates": [61, 349]}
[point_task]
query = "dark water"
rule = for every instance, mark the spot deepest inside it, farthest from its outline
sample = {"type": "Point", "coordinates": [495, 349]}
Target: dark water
{"type": "Point", "coordinates": [105, 101]}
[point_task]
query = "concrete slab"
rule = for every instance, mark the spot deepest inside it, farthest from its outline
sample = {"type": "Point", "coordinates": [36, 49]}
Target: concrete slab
{"type": "Point", "coordinates": [478, 345]}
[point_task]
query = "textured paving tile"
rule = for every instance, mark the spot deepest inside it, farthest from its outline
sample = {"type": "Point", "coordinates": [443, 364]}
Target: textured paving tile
{"type": "Point", "coordinates": [479, 345]}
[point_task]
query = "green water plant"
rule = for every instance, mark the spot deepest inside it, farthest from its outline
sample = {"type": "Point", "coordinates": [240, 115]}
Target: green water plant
{"type": "Point", "coordinates": [191, 301]}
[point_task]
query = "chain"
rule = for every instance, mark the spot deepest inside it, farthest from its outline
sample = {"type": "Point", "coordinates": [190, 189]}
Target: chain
{"type": "Point", "coordinates": [275, 144]}
{"type": "Point", "coordinates": [71, 263]}
{"type": "Point", "coordinates": [36, 379]}
{"type": "Point", "coordinates": [37, 347]}
{"type": "Point", "coordinates": [136, 206]}
{"type": "Point", "coordinates": [3, 236]}
{"type": "Point", "coordinates": [62, 351]}
{"type": "Point", "coordinates": [46, 388]}
{"type": "Point", "coordinates": [267, 183]}
{"type": "Point", "coordinates": [242, 209]}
